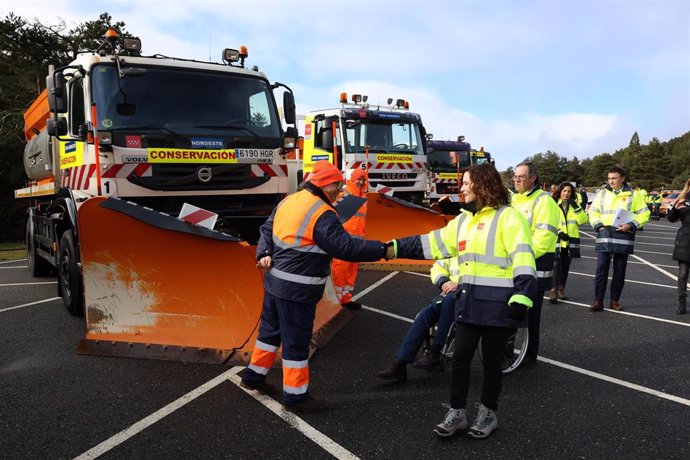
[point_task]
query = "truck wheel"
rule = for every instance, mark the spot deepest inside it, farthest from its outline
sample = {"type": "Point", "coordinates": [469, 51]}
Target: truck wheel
{"type": "Point", "coordinates": [68, 276]}
{"type": "Point", "coordinates": [38, 266]}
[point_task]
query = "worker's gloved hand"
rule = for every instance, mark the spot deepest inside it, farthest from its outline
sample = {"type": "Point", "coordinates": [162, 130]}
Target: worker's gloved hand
{"type": "Point", "coordinates": [563, 236]}
{"type": "Point", "coordinates": [517, 311]}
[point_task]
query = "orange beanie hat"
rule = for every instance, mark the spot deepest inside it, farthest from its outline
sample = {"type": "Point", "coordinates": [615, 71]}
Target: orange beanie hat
{"type": "Point", "coordinates": [325, 173]}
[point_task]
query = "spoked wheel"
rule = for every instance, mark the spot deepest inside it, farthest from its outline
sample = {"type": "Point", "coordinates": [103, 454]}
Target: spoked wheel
{"type": "Point", "coordinates": [68, 276]}
{"type": "Point", "coordinates": [515, 350]}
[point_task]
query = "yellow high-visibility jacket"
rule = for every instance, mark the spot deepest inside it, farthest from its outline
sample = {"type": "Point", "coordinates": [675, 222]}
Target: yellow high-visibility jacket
{"type": "Point", "coordinates": [493, 248]}
{"type": "Point", "coordinates": [445, 270]}
{"type": "Point", "coordinates": [570, 224]}
{"type": "Point", "coordinates": [603, 212]}
{"type": "Point", "coordinates": [542, 215]}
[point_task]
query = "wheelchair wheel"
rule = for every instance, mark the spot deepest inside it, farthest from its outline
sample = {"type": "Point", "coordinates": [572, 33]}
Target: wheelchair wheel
{"type": "Point", "coordinates": [516, 349]}
{"type": "Point", "coordinates": [449, 346]}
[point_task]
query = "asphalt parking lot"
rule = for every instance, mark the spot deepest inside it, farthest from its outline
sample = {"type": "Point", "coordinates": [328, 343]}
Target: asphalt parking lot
{"type": "Point", "coordinates": [608, 384]}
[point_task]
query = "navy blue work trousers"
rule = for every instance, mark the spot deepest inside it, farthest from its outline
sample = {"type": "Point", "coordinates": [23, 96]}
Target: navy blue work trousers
{"type": "Point", "coordinates": [620, 263]}
{"type": "Point", "coordinates": [441, 310]}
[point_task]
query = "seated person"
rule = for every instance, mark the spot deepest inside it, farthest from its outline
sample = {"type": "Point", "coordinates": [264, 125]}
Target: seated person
{"type": "Point", "coordinates": [441, 310]}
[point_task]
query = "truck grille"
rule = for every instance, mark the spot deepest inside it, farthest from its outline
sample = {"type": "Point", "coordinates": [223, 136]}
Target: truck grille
{"type": "Point", "coordinates": [186, 177]}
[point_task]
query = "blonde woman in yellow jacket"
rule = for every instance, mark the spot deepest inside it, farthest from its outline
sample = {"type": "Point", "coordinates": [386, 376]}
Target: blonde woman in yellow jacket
{"type": "Point", "coordinates": [568, 246]}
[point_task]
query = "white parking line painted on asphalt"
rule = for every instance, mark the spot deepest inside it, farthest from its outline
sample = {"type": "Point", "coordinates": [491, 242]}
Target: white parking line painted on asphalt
{"type": "Point", "coordinates": [146, 422]}
{"type": "Point", "coordinates": [591, 275]}
{"type": "Point", "coordinates": [631, 262]}
{"type": "Point", "coordinates": [387, 313]}
{"type": "Point", "coordinates": [11, 261]}
{"type": "Point", "coordinates": [29, 304]}
{"type": "Point", "coordinates": [623, 383]}
{"type": "Point", "coordinates": [627, 313]}
{"type": "Point", "coordinates": [27, 284]}
{"type": "Point", "coordinates": [15, 267]}
{"type": "Point", "coordinates": [375, 285]}
{"type": "Point", "coordinates": [297, 423]}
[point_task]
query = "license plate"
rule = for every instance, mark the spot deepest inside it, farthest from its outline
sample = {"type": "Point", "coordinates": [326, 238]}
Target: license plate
{"type": "Point", "coordinates": [254, 155]}
{"type": "Point", "coordinates": [395, 175]}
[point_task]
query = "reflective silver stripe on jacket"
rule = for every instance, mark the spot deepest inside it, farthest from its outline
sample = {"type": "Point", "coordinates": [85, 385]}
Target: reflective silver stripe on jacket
{"type": "Point", "coordinates": [308, 248]}
{"type": "Point", "coordinates": [524, 270]}
{"type": "Point", "coordinates": [614, 241]}
{"type": "Point", "coordinates": [292, 277]}
{"type": "Point", "coordinates": [523, 247]}
{"type": "Point", "coordinates": [487, 281]}
{"type": "Point", "coordinates": [301, 230]}
{"type": "Point", "coordinates": [534, 205]}
{"type": "Point", "coordinates": [546, 274]}
{"type": "Point", "coordinates": [440, 244]}
{"type": "Point", "coordinates": [548, 227]}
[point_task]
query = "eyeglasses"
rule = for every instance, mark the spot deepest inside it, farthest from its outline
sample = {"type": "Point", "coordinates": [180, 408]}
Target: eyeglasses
{"type": "Point", "coordinates": [520, 177]}
{"type": "Point", "coordinates": [339, 186]}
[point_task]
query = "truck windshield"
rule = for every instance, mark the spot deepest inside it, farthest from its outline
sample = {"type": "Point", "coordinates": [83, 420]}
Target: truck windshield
{"type": "Point", "coordinates": [382, 137]}
{"type": "Point", "coordinates": [184, 98]}
{"type": "Point", "coordinates": [446, 161]}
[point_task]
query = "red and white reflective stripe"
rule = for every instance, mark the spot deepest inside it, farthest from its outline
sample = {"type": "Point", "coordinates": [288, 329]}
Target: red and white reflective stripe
{"type": "Point", "coordinates": [269, 170]}
{"type": "Point", "coordinates": [127, 169]}
{"type": "Point", "coordinates": [444, 181]}
{"type": "Point", "coordinates": [79, 177]}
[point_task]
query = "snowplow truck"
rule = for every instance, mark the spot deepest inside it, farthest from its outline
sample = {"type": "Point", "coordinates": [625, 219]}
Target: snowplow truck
{"type": "Point", "coordinates": [447, 161]}
{"type": "Point", "coordinates": [117, 144]}
{"type": "Point", "coordinates": [386, 141]}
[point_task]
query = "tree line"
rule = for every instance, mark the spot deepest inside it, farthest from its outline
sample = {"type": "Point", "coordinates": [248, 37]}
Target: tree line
{"type": "Point", "coordinates": [28, 47]}
{"type": "Point", "coordinates": [654, 166]}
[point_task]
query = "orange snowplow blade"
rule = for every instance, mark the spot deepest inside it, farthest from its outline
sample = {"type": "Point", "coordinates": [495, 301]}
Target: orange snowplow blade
{"type": "Point", "coordinates": [157, 287]}
{"type": "Point", "coordinates": [389, 217]}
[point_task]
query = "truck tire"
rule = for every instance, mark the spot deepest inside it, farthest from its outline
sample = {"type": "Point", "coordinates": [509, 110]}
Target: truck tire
{"type": "Point", "coordinates": [69, 277]}
{"type": "Point", "coordinates": [38, 266]}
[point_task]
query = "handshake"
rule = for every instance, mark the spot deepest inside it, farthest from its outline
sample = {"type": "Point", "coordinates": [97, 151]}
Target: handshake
{"type": "Point", "coordinates": [391, 248]}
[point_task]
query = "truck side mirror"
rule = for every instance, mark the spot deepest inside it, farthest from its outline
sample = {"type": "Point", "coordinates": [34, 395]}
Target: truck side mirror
{"type": "Point", "coordinates": [289, 108]}
{"type": "Point", "coordinates": [56, 126]}
{"type": "Point", "coordinates": [57, 92]}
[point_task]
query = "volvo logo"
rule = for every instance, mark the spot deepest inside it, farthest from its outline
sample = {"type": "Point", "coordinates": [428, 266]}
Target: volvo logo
{"type": "Point", "coordinates": [205, 174]}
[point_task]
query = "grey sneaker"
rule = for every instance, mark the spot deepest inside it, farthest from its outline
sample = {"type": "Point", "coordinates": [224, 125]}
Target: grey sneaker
{"type": "Point", "coordinates": [455, 419]}
{"type": "Point", "coordinates": [485, 423]}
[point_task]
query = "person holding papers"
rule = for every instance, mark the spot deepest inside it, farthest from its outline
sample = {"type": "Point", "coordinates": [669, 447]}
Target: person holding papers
{"type": "Point", "coordinates": [615, 214]}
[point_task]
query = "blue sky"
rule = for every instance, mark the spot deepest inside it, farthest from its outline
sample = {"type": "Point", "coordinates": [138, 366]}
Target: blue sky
{"type": "Point", "coordinates": [517, 77]}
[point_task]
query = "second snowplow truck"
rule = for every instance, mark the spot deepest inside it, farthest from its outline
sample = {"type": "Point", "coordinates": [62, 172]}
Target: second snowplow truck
{"type": "Point", "coordinates": [115, 146]}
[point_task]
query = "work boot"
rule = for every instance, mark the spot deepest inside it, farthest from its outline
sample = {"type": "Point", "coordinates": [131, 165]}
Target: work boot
{"type": "Point", "coordinates": [561, 293]}
{"type": "Point", "coordinates": [485, 423]}
{"type": "Point", "coordinates": [262, 387]}
{"type": "Point", "coordinates": [681, 305]}
{"type": "Point", "coordinates": [353, 306]}
{"type": "Point", "coordinates": [597, 305]}
{"type": "Point", "coordinates": [430, 360]}
{"type": "Point", "coordinates": [615, 305]}
{"type": "Point", "coordinates": [308, 404]}
{"type": "Point", "coordinates": [397, 371]}
{"type": "Point", "coordinates": [553, 295]}
{"type": "Point", "coordinates": [455, 419]}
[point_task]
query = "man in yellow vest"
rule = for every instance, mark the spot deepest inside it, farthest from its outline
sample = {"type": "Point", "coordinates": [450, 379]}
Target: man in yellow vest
{"type": "Point", "coordinates": [616, 214]}
{"type": "Point", "coordinates": [295, 247]}
{"type": "Point", "coordinates": [543, 217]}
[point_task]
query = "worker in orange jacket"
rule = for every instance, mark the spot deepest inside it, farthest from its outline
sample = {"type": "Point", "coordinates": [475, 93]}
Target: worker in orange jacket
{"type": "Point", "coordinates": [295, 248]}
{"type": "Point", "coordinates": [345, 273]}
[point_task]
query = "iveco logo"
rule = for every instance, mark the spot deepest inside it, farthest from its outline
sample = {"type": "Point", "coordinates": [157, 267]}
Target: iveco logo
{"type": "Point", "coordinates": [204, 174]}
